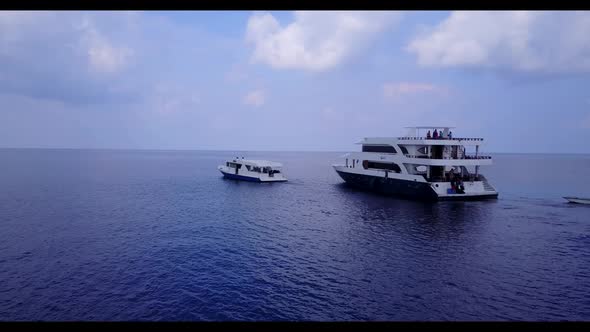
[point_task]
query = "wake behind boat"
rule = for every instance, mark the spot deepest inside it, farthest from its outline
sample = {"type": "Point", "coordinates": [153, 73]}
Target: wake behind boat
{"type": "Point", "coordinates": [577, 200]}
{"type": "Point", "coordinates": [253, 170]}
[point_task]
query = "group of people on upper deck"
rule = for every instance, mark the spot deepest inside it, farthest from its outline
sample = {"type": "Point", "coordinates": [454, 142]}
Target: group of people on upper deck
{"type": "Point", "coordinates": [439, 135]}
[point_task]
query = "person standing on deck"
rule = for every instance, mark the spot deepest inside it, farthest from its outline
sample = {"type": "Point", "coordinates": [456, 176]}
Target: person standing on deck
{"type": "Point", "coordinates": [428, 135]}
{"type": "Point", "coordinates": [435, 134]}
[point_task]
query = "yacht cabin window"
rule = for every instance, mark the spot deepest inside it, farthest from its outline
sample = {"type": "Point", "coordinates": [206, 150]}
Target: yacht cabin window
{"type": "Point", "coordinates": [379, 148]}
{"type": "Point", "coordinates": [233, 165]}
{"type": "Point", "coordinates": [384, 166]}
{"type": "Point", "coordinates": [423, 150]}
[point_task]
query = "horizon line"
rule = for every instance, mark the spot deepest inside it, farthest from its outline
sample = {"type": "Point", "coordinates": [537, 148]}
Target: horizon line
{"type": "Point", "coordinates": [242, 150]}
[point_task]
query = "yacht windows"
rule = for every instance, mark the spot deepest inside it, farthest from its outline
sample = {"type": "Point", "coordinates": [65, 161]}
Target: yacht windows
{"type": "Point", "coordinates": [404, 150]}
{"type": "Point", "coordinates": [423, 150]}
{"type": "Point", "coordinates": [248, 167]}
{"type": "Point", "coordinates": [233, 165]}
{"type": "Point", "coordinates": [386, 166]}
{"type": "Point", "coordinates": [454, 152]}
{"type": "Point", "coordinates": [379, 148]}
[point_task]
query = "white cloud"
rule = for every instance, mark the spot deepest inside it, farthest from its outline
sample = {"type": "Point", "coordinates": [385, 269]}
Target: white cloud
{"type": "Point", "coordinates": [65, 56]}
{"type": "Point", "coordinates": [255, 98]}
{"type": "Point", "coordinates": [103, 56]}
{"type": "Point", "coordinates": [547, 42]}
{"type": "Point", "coordinates": [397, 90]}
{"type": "Point", "coordinates": [66, 34]}
{"type": "Point", "coordinates": [315, 41]}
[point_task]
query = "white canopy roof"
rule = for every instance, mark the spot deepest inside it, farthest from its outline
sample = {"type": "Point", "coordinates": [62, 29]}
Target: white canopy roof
{"type": "Point", "coordinates": [259, 163]}
{"type": "Point", "coordinates": [430, 127]}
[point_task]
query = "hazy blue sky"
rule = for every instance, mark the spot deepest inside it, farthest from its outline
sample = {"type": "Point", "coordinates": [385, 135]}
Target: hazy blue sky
{"type": "Point", "coordinates": [292, 80]}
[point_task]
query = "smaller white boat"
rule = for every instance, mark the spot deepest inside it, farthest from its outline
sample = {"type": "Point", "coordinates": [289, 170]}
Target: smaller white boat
{"type": "Point", "coordinates": [253, 170]}
{"type": "Point", "coordinates": [577, 200]}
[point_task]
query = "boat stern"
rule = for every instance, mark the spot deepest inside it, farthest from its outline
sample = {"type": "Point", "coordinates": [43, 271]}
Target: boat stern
{"type": "Point", "coordinates": [473, 190]}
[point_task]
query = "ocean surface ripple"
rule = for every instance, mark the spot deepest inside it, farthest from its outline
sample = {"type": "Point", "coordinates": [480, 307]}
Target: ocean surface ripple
{"type": "Point", "coordinates": [161, 236]}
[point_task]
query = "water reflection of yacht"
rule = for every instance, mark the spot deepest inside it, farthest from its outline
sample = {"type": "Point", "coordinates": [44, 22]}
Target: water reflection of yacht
{"type": "Point", "coordinates": [253, 170]}
{"type": "Point", "coordinates": [419, 167]}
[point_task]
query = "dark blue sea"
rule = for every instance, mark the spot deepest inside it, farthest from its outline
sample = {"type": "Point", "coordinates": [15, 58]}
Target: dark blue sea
{"type": "Point", "coordinates": [160, 235]}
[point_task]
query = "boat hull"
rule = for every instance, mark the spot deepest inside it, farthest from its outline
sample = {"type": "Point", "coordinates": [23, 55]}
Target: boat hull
{"type": "Point", "coordinates": [389, 186]}
{"type": "Point", "coordinates": [404, 188]}
{"type": "Point", "coordinates": [578, 200]}
{"type": "Point", "coordinates": [248, 178]}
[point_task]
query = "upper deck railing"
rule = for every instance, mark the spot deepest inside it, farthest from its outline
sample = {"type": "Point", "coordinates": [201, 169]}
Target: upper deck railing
{"type": "Point", "coordinates": [441, 139]}
{"type": "Point", "coordinates": [463, 157]}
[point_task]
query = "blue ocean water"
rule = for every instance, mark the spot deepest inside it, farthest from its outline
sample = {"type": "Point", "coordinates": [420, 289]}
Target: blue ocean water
{"type": "Point", "coordinates": [160, 235]}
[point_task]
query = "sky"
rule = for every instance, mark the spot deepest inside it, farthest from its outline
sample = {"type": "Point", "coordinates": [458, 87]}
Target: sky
{"type": "Point", "coordinates": [293, 81]}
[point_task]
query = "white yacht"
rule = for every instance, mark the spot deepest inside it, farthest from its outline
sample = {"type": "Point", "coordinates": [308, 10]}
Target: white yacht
{"type": "Point", "coordinates": [253, 170]}
{"type": "Point", "coordinates": [430, 167]}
